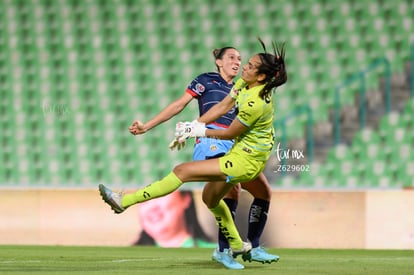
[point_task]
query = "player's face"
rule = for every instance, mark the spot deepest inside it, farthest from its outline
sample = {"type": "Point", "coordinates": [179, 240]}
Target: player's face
{"type": "Point", "coordinates": [230, 63]}
{"type": "Point", "coordinates": [249, 72]}
{"type": "Point", "coordinates": [163, 217]}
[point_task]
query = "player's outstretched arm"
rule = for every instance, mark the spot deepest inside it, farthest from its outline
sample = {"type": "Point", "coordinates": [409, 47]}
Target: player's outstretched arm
{"type": "Point", "coordinates": [139, 128]}
{"type": "Point", "coordinates": [185, 130]}
{"type": "Point", "coordinates": [218, 110]}
{"type": "Point", "coordinates": [235, 129]}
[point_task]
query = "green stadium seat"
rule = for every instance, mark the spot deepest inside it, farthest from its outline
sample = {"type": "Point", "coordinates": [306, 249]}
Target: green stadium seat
{"type": "Point", "coordinates": [366, 146]}
{"type": "Point", "coordinates": [377, 174]}
{"type": "Point", "coordinates": [407, 115]}
{"type": "Point", "coordinates": [364, 137]}
{"type": "Point", "coordinates": [345, 174]}
{"type": "Point", "coordinates": [306, 178]}
{"type": "Point", "coordinates": [397, 136]}
{"type": "Point", "coordinates": [318, 176]}
{"type": "Point", "coordinates": [339, 153]}
{"type": "Point", "coordinates": [388, 124]}
{"type": "Point", "coordinates": [405, 174]}
{"type": "Point", "coordinates": [399, 156]}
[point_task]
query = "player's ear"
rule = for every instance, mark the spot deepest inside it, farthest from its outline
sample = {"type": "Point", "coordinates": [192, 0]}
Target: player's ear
{"type": "Point", "coordinates": [261, 77]}
{"type": "Point", "coordinates": [219, 63]}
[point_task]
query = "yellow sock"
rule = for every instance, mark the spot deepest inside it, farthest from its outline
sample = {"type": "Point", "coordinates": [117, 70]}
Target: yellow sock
{"type": "Point", "coordinates": [226, 225]}
{"type": "Point", "coordinates": [157, 189]}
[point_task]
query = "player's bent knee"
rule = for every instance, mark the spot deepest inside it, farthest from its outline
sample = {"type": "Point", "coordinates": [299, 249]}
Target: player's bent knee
{"type": "Point", "coordinates": [209, 200]}
{"type": "Point", "coordinates": [234, 193]}
{"type": "Point", "coordinates": [208, 203]}
{"type": "Point", "coordinates": [179, 171]}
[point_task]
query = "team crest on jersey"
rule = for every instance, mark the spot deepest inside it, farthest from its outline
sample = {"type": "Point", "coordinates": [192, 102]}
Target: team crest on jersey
{"type": "Point", "coordinates": [200, 88]}
{"type": "Point", "coordinates": [213, 148]}
{"type": "Point", "coordinates": [235, 92]}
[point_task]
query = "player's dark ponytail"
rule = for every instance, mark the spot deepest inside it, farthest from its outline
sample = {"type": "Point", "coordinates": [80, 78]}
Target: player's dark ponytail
{"type": "Point", "coordinates": [273, 66]}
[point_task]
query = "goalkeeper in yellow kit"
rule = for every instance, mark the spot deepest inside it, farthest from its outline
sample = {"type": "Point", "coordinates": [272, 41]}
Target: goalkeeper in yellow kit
{"type": "Point", "coordinates": [254, 134]}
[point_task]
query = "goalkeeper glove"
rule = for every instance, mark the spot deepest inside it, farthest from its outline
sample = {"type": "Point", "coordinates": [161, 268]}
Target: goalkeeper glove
{"type": "Point", "coordinates": [184, 130]}
{"type": "Point", "coordinates": [175, 144]}
{"type": "Point", "coordinates": [240, 84]}
{"type": "Point", "coordinates": [237, 87]}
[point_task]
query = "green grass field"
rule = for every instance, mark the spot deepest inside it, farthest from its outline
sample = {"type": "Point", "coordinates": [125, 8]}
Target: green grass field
{"type": "Point", "coordinates": [150, 260]}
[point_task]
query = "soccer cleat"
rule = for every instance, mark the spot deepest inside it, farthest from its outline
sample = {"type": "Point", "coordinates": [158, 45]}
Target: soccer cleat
{"type": "Point", "coordinates": [114, 199]}
{"type": "Point", "coordinates": [259, 254]}
{"type": "Point", "coordinates": [226, 259]}
{"type": "Point", "coordinates": [244, 251]}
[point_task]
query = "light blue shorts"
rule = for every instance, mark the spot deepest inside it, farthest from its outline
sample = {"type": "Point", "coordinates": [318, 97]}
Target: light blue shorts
{"type": "Point", "coordinates": [208, 148]}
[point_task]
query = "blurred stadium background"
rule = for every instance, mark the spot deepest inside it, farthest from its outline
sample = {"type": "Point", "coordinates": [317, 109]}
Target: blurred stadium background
{"type": "Point", "coordinates": [75, 74]}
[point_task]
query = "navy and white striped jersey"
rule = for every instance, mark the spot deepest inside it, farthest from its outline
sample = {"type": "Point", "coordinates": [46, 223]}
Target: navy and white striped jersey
{"type": "Point", "coordinates": [209, 89]}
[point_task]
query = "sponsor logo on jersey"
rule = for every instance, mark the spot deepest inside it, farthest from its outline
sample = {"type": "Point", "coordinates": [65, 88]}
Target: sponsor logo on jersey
{"type": "Point", "coordinates": [244, 115]}
{"type": "Point", "coordinates": [217, 83]}
{"type": "Point", "coordinates": [247, 150]}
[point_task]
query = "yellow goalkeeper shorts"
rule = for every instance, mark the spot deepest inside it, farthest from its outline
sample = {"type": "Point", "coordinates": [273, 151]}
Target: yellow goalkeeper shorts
{"type": "Point", "coordinates": [239, 167]}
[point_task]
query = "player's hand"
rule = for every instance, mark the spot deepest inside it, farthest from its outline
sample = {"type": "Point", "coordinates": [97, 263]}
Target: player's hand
{"type": "Point", "coordinates": [237, 87]}
{"type": "Point", "coordinates": [240, 84]}
{"type": "Point", "coordinates": [185, 130]}
{"type": "Point", "coordinates": [175, 144]}
{"type": "Point", "coordinates": [137, 128]}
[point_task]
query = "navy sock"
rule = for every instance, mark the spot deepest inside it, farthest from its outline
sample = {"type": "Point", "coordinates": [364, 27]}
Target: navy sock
{"type": "Point", "coordinates": [222, 241]}
{"type": "Point", "coordinates": [257, 220]}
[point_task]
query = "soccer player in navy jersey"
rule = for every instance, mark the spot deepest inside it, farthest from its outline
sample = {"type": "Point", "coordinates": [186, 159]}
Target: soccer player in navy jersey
{"type": "Point", "coordinates": [209, 89]}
